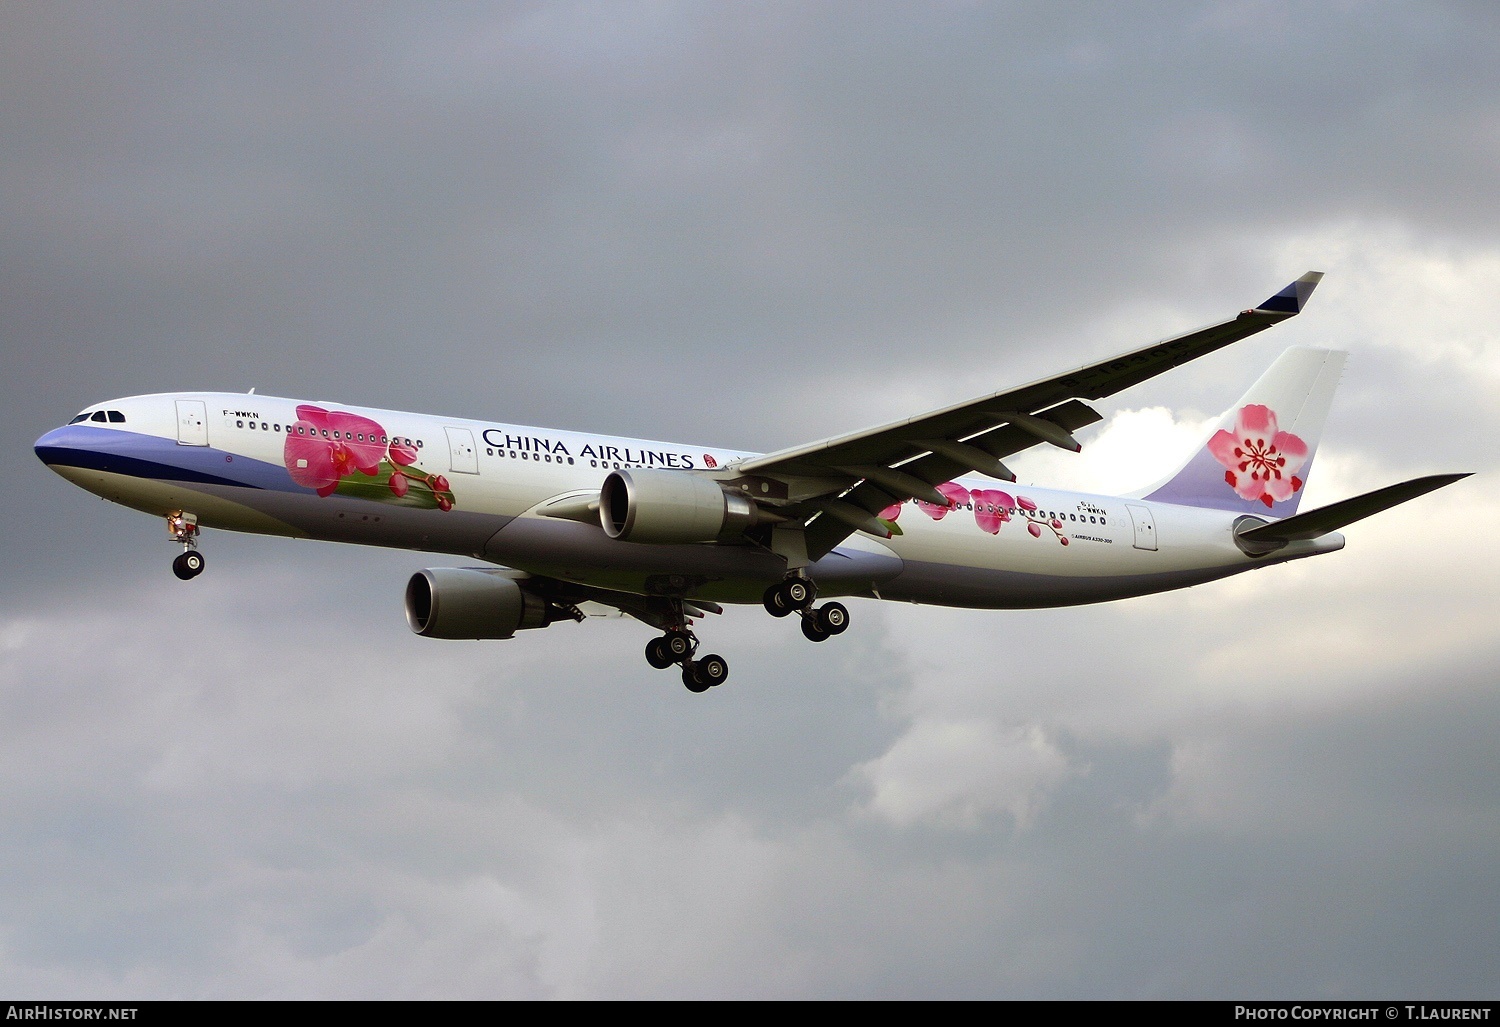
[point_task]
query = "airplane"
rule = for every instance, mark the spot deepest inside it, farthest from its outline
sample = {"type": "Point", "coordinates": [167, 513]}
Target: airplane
{"type": "Point", "coordinates": [922, 510]}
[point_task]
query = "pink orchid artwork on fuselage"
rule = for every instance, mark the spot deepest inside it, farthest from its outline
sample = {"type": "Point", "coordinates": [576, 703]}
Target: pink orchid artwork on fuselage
{"type": "Point", "coordinates": [992, 510]}
{"type": "Point", "coordinates": [1261, 462]}
{"type": "Point", "coordinates": [332, 451]}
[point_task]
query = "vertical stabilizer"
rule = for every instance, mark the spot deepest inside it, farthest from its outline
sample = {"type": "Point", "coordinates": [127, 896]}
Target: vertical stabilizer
{"type": "Point", "coordinates": [1261, 451]}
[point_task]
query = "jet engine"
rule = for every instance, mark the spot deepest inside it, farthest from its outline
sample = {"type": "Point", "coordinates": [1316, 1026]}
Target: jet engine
{"type": "Point", "coordinates": [473, 602]}
{"type": "Point", "coordinates": [672, 507]}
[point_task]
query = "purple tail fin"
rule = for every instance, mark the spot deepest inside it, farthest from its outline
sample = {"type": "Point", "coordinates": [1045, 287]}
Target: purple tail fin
{"type": "Point", "coordinates": [1261, 451]}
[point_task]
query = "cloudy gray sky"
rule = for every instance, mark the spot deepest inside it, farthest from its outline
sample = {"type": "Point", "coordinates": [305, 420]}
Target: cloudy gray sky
{"type": "Point", "coordinates": [750, 226]}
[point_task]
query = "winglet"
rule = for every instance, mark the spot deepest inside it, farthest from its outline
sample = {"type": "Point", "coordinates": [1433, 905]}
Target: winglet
{"type": "Point", "coordinates": [1291, 299]}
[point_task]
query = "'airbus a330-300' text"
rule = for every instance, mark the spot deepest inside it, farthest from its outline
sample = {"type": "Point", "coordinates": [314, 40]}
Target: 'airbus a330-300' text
{"type": "Point", "coordinates": [923, 510]}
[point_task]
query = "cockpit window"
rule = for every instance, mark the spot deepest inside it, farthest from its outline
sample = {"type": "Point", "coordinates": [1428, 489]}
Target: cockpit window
{"type": "Point", "coordinates": [102, 416]}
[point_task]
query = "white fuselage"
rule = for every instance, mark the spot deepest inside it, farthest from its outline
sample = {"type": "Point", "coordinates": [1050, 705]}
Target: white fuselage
{"type": "Point", "coordinates": [472, 488]}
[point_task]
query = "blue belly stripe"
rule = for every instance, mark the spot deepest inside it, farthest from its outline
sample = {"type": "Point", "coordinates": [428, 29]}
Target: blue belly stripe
{"type": "Point", "coordinates": [152, 457]}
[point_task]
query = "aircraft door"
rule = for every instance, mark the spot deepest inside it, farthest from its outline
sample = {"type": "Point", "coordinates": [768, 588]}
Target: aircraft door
{"type": "Point", "coordinates": [1145, 527]}
{"type": "Point", "coordinates": [192, 423]}
{"type": "Point", "coordinates": [462, 456]}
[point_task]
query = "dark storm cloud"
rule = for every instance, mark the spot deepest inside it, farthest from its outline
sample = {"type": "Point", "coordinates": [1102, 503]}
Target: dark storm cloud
{"type": "Point", "coordinates": [681, 195]}
{"type": "Point", "coordinates": [226, 824]}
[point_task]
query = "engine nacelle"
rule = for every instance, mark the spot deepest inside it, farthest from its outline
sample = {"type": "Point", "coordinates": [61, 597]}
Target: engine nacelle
{"type": "Point", "coordinates": [471, 602]}
{"type": "Point", "coordinates": [672, 507]}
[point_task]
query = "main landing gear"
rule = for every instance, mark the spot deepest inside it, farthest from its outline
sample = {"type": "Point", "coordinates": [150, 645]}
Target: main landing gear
{"type": "Point", "coordinates": [678, 646]}
{"type": "Point", "coordinates": [796, 595]}
{"type": "Point", "coordinates": [183, 527]}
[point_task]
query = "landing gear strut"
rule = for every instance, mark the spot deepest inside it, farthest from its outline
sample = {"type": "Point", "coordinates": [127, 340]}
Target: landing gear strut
{"type": "Point", "coordinates": [183, 527]}
{"type": "Point", "coordinates": [677, 646]}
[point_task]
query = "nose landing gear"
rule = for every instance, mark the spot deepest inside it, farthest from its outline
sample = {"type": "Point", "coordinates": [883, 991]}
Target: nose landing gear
{"type": "Point", "coordinates": [183, 527]}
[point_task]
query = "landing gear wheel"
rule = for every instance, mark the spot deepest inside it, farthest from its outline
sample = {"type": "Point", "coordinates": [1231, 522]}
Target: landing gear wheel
{"type": "Point", "coordinates": [797, 593]}
{"type": "Point", "coordinates": [713, 668]}
{"type": "Point", "coordinates": [691, 679]}
{"type": "Point", "coordinates": [188, 565]}
{"type": "Point", "coordinates": [788, 596]}
{"type": "Point", "coordinates": [812, 629]}
{"type": "Point", "coordinates": [678, 644]}
{"type": "Point", "coordinates": [701, 675]}
{"type": "Point", "coordinates": [833, 618]}
{"type": "Point", "coordinates": [657, 654]}
{"type": "Point", "coordinates": [772, 602]}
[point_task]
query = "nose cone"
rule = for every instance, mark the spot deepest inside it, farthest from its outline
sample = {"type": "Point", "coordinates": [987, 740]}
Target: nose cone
{"type": "Point", "coordinates": [53, 447]}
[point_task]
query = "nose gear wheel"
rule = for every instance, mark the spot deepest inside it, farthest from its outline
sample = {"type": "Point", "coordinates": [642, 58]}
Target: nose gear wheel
{"type": "Point", "coordinates": [188, 565]}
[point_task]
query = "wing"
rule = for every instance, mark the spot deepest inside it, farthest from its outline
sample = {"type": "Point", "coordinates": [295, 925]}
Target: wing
{"type": "Point", "coordinates": [839, 485]}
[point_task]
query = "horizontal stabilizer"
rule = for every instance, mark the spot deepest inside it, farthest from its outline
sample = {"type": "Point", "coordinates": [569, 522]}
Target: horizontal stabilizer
{"type": "Point", "coordinates": [1330, 518]}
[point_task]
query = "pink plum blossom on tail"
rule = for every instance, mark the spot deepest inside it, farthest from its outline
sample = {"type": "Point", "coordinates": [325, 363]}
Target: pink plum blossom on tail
{"type": "Point", "coordinates": [1261, 462]}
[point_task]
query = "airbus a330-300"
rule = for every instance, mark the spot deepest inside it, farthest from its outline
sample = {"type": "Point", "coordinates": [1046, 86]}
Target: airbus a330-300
{"type": "Point", "coordinates": [923, 510]}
